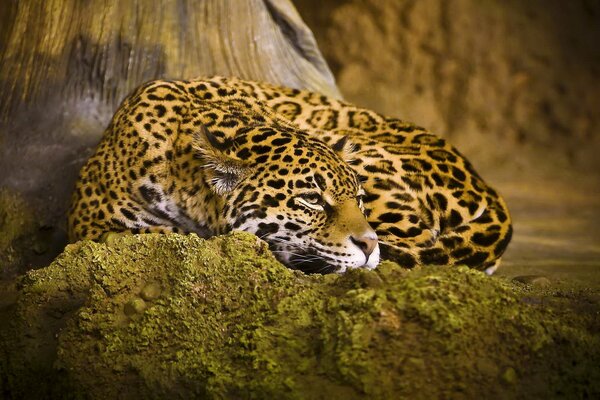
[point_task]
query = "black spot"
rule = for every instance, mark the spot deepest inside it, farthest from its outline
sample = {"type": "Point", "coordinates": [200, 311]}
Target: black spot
{"type": "Point", "coordinates": [474, 260]}
{"type": "Point", "coordinates": [405, 260]}
{"type": "Point", "coordinates": [369, 197]}
{"type": "Point", "coordinates": [473, 207]}
{"type": "Point", "coordinates": [261, 149]}
{"type": "Point", "coordinates": [281, 142]}
{"type": "Point", "coordinates": [243, 154]}
{"type": "Point", "coordinates": [392, 204]}
{"type": "Point", "coordinates": [501, 216]}
{"type": "Point", "coordinates": [292, 226]}
{"type": "Point", "coordinates": [437, 179]}
{"type": "Point", "coordinates": [485, 218]}
{"type": "Point", "coordinates": [261, 159]}
{"type": "Point", "coordinates": [425, 138]}
{"type": "Point", "coordinates": [455, 219]}
{"type": "Point", "coordinates": [382, 167]}
{"type": "Point", "coordinates": [462, 252]}
{"type": "Point", "coordinates": [390, 217]}
{"type": "Point", "coordinates": [427, 215]}
{"type": "Point", "coordinates": [229, 123]}
{"type": "Point", "coordinates": [160, 110]}
{"type": "Point", "coordinates": [320, 181]}
{"type": "Point", "coordinates": [458, 174]}
{"type": "Point", "coordinates": [128, 214]}
{"type": "Point", "coordinates": [149, 194]}
{"type": "Point", "coordinates": [441, 201]}
{"type": "Point", "coordinates": [442, 155]}
{"type": "Point", "coordinates": [451, 242]}
{"type": "Point", "coordinates": [411, 232]}
{"type": "Point", "coordinates": [270, 201]}
{"type": "Point", "coordinates": [407, 167]}
{"type": "Point", "coordinates": [413, 184]}
{"type": "Point", "coordinates": [266, 229]}
{"type": "Point", "coordinates": [501, 246]}
{"type": "Point", "coordinates": [482, 239]}
{"type": "Point", "coordinates": [454, 184]}
{"type": "Point", "coordinates": [158, 136]}
{"type": "Point", "coordinates": [434, 256]}
{"type": "Point", "coordinates": [339, 145]}
{"type": "Point", "coordinates": [277, 184]}
{"type": "Point", "coordinates": [263, 136]}
{"type": "Point", "coordinates": [425, 165]}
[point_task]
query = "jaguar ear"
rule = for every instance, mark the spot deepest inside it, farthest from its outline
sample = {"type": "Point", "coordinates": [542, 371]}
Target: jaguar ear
{"type": "Point", "coordinates": [224, 171]}
{"type": "Point", "coordinates": [343, 147]}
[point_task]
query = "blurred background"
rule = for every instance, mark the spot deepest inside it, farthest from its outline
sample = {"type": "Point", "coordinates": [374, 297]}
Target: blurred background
{"type": "Point", "coordinates": [511, 83]}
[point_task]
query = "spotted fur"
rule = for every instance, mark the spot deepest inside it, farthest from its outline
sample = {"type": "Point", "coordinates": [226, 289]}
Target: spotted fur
{"type": "Point", "coordinates": [328, 185]}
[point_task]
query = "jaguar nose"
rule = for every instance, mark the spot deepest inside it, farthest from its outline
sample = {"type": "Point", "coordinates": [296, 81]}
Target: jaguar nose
{"type": "Point", "coordinates": [366, 243]}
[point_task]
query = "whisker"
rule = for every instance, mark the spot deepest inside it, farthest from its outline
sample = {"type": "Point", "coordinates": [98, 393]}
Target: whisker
{"type": "Point", "coordinates": [309, 262]}
{"type": "Point", "coordinates": [305, 256]}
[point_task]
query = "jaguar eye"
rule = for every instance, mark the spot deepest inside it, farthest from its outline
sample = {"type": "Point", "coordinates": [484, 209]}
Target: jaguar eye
{"type": "Point", "coordinates": [312, 200]}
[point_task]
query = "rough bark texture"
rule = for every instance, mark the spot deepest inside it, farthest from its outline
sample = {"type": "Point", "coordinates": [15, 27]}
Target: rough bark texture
{"type": "Point", "coordinates": [511, 83]}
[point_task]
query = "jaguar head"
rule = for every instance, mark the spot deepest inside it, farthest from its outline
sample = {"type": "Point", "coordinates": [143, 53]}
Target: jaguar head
{"type": "Point", "coordinates": [293, 191]}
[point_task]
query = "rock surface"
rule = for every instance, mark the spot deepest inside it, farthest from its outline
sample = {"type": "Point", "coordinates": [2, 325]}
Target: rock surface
{"type": "Point", "coordinates": [164, 316]}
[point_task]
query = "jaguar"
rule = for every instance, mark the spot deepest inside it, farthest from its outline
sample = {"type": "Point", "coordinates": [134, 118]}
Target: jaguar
{"type": "Point", "coordinates": [328, 185]}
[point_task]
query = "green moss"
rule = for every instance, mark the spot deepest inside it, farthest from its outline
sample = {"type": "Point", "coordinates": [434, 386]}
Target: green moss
{"type": "Point", "coordinates": [159, 316]}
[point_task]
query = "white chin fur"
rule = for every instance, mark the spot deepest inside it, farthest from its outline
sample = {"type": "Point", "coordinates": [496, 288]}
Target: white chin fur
{"type": "Point", "coordinates": [371, 263]}
{"type": "Point", "coordinates": [373, 260]}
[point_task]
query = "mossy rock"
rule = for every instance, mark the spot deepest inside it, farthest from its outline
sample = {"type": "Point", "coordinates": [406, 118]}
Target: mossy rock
{"type": "Point", "coordinates": [171, 316]}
